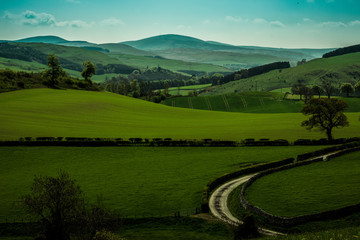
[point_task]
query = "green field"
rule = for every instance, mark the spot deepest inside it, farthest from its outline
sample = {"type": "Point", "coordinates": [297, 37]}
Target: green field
{"type": "Point", "coordinates": [140, 181]}
{"type": "Point", "coordinates": [184, 90]}
{"type": "Point", "coordinates": [309, 189]}
{"type": "Point", "coordinates": [72, 113]}
{"type": "Point", "coordinates": [344, 67]}
{"type": "Point", "coordinates": [246, 102]}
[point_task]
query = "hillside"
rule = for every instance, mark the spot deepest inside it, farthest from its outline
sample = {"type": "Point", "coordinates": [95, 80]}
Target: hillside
{"type": "Point", "coordinates": [71, 113]}
{"type": "Point", "coordinates": [345, 68]}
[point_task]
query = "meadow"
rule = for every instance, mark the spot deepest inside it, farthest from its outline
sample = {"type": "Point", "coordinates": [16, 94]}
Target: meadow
{"type": "Point", "coordinates": [309, 189]}
{"type": "Point", "coordinates": [72, 113]}
{"type": "Point", "coordinates": [135, 181]}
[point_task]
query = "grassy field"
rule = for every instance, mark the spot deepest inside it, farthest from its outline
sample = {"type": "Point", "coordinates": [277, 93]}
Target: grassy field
{"type": "Point", "coordinates": [309, 189]}
{"type": "Point", "coordinates": [72, 113]}
{"type": "Point", "coordinates": [246, 102]}
{"type": "Point", "coordinates": [343, 66]}
{"type": "Point", "coordinates": [184, 90]}
{"type": "Point", "coordinates": [140, 181]}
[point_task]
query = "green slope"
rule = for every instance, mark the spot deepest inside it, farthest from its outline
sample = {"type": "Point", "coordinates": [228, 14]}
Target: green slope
{"type": "Point", "coordinates": [346, 68]}
{"type": "Point", "coordinates": [47, 112]}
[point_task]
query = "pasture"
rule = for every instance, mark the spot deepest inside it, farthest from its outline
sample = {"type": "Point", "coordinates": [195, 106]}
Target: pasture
{"type": "Point", "coordinates": [135, 181]}
{"type": "Point", "coordinates": [73, 113]}
{"type": "Point", "coordinates": [309, 189]}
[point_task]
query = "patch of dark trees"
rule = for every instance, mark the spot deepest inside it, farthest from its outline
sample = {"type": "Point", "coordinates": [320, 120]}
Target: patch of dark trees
{"type": "Point", "coordinates": [342, 51]}
{"type": "Point", "coordinates": [13, 80]}
{"type": "Point", "coordinates": [246, 73]}
{"type": "Point", "coordinates": [98, 49]}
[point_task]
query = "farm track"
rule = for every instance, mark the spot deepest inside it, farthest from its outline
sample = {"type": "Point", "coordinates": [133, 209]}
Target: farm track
{"type": "Point", "coordinates": [218, 200]}
{"type": "Point", "coordinates": [218, 204]}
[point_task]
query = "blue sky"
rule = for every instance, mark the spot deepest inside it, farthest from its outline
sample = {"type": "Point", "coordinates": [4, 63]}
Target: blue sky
{"type": "Point", "coordinates": [272, 23]}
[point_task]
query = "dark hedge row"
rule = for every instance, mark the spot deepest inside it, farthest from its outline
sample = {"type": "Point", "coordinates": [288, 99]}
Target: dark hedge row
{"type": "Point", "coordinates": [320, 152]}
{"type": "Point", "coordinates": [289, 222]}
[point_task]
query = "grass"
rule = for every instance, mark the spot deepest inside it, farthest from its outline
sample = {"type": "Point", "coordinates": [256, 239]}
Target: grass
{"type": "Point", "coordinates": [73, 113]}
{"type": "Point", "coordinates": [309, 189]}
{"type": "Point", "coordinates": [140, 181]}
{"type": "Point", "coordinates": [246, 102]}
{"type": "Point", "coordinates": [177, 229]}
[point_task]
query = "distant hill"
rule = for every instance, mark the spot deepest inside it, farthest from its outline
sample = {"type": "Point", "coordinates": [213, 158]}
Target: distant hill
{"type": "Point", "coordinates": [43, 39]}
{"type": "Point", "coordinates": [344, 68]}
{"type": "Point", "coordinates": [237, 57]}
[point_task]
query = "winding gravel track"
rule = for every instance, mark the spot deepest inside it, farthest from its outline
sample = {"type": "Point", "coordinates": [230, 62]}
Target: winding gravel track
{"type": "Point", "coordinates": [218, 204]}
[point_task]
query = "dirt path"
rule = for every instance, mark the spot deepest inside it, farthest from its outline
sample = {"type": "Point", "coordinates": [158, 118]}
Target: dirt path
{"type": "Point", "coordinates": [218, 203]}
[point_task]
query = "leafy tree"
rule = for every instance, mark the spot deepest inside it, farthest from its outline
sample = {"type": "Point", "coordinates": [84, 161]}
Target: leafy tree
{"type": "Point", "coordinates": [317, 90]}
{"type": "Point", "coordinates": [61, 207]}
{"type": "Point", "coordinates": [55, 70]}
{"type": "Point", "coordinates": [327, 83]}
{"type": "Point", "coordinates": [326, 114]}
{"type": "Point", "coordinates": [88, 71]}
{"type": "Point", "coordinates": [347, 88]}
{"type": "Point", "coordinates": [58, 202]}
{"type": "Point", "coordinates": [301, 90]}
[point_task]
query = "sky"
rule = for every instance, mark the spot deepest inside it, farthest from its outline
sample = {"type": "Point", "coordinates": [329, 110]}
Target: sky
{"type": "Point", "coordinates": [270, 23]}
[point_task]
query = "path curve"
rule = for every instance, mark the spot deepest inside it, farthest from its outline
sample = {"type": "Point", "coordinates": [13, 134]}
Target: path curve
{"type": "Point", "coordinates": [218, 203]}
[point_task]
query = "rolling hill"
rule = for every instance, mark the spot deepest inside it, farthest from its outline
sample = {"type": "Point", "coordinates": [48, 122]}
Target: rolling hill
{"type": "Point", "coordinates": [192, 49]}
{"type": "Point", "coordinates": [72, 113]}
{"type": "Point", "coordinates": [344, 68]}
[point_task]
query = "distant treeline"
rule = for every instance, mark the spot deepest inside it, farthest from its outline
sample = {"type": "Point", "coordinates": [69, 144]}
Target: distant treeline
{"type": "Point", "coordinates": [342, 51]}
{"type": "Point", "coordinates": [246, 73]}
{"type": "Point", "coordinates": [13, 80]}
{"type": "Point", "coordinates": [29, 54]}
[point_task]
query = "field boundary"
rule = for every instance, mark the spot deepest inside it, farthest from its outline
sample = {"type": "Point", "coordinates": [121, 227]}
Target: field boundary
{"type": "Point", "coordinates": [289, 222]}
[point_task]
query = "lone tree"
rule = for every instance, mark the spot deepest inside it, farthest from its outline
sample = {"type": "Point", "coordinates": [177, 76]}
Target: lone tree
{"type": "Point", "coordinates": [88, 71]}
{"type": "Point", "coordinates": [347, 88]}
{"type": "Point", "coordinates": [326, 114]}
{"type": "Point", "coordinates": [58, 202]}
{"type": "Point", "coordinates": [62, 209]}
{"type": "Point", "coordinates": [317, 90]}
{"type": "Point", "coordinates": [55, 70]}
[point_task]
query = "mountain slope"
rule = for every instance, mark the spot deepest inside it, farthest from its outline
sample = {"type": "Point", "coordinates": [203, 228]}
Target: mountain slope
{"type": "Point", "coordinates": [71, 113]}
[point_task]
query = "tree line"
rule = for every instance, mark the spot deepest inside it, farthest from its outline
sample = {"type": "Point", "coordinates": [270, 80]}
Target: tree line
{"type": "Point", "coordinates": [342, 51]}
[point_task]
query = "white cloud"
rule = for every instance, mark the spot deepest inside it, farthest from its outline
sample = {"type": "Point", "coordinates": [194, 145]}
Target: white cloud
{"type": "Point", "coordinates": [310, 1]}
{"type": "Point", "coordinates": [42, 19]}
{"type": "Point", "coordinates": [354, 23]}
{"type": "Point", "coordinates": [111, 22]}
{"type": "Point", "coordinates": [277, 24]}
{"type": "Point", "coordinates": [306, 19]}
{"type": "Point", "coordinates": [233, 19]}
{"type": "Point", "coordinates": [332, 24]}
{"type": "Point", "coordinates": [259, 20]}
{"type": "Point", "coordinates": [74, 24]}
